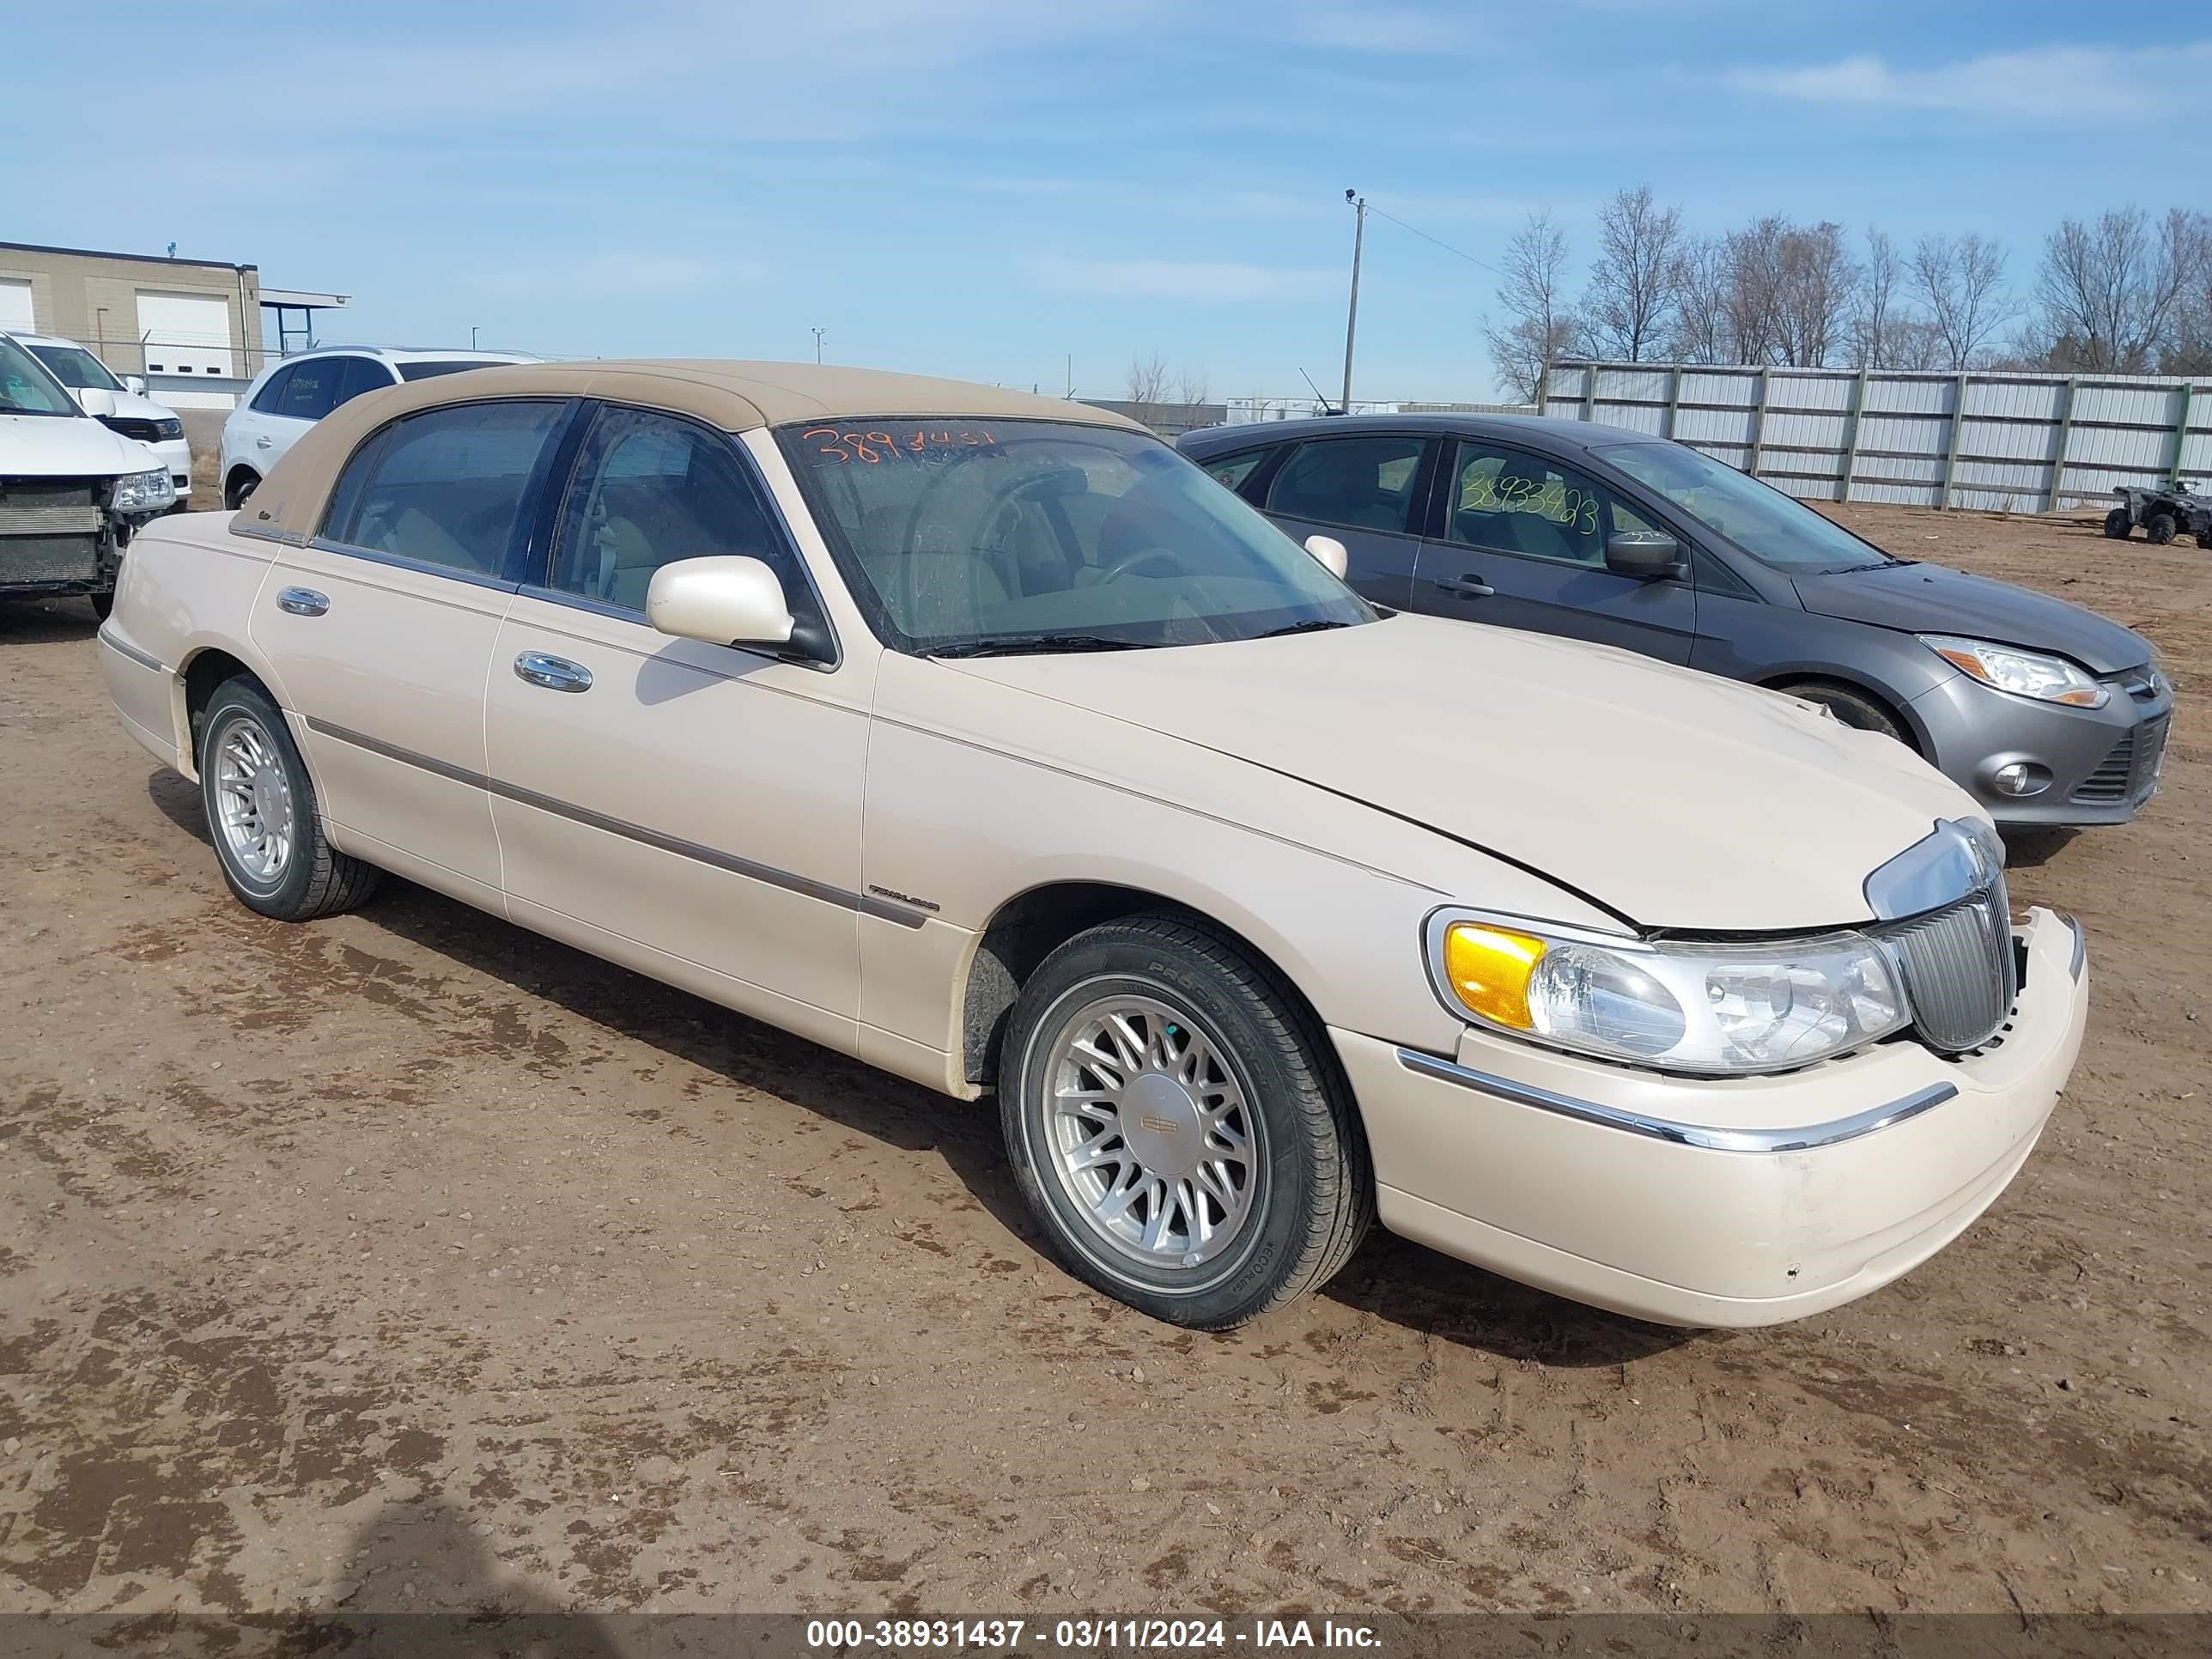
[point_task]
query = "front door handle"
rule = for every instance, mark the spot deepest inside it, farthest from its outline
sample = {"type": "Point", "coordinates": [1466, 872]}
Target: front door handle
{"type": "Point", "coordinates": [302, 601]}
{"type": "Point", "coordinates": [552, 673]}
{"type": "Point", "coordinates": [264, 443]}
{"type": "Point", "coordinates": [1470, 587]}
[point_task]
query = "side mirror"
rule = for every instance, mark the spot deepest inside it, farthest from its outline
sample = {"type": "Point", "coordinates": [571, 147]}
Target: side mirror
{"type": "Point", "coordinates": [1643, 554]}
{"type": "Point", "coordinates": [729, 600]}
{"type": "Point", "coordinates": [97, 402]}
{"type": "Point", "coordinates": [1332, 554]}
{"type": "Point", "coordinates": [135, 385]}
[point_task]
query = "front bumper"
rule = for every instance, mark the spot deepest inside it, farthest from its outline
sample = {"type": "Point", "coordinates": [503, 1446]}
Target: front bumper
{"type": "Point", "coordinates": [1746, 1201]}
{"type": "Point", "coordinates": [2104, 761]}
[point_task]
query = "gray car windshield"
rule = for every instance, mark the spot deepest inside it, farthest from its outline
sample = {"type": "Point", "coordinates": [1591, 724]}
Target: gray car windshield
{"type": "Point", "coordinates": [26, 388]}
{"type": "Point", "coordinates": [74, 366]}
{"type": "Point", "coordinates": [1770, 526]}
{"type": "Point", "coordinates": [972, 536]}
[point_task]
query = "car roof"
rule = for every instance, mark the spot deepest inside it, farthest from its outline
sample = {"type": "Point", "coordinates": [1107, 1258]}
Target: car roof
{"type": "Point", "coordinates": [21, 338]}
{"type": "Point", "coordinates": [411, 354]}
{"type": "Point", "coordinates": [1545, 430]}
{"type": "Point", "coordinates": [734, 396]}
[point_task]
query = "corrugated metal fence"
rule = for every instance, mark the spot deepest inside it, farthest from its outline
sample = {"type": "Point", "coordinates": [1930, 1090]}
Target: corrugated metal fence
{"type": "Point", "coordinates": [2019, 443]}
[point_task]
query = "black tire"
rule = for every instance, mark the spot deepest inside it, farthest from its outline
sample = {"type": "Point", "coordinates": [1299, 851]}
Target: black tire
{"type": "Point", "coordinates": [1853, 708]}
{"type": "Point", "coordinates": [1309, 1191]}
{"type": "Point", "coordinates": [239, 490]}
{"type": "Point", "coordinates": [2118, 524]}
{"type": "Point", "coordinates": [103, 605]}
{"type": "Point", "coordinates": [313, 879]}
{"type": "Point", "coordinates": [2159, 528]}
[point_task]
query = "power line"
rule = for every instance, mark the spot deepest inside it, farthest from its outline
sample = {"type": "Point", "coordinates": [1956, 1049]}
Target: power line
{"type": "Point", "coordinates": [1439, 241]}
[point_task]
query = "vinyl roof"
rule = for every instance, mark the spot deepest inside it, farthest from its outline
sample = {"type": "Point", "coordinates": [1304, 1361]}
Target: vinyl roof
{"type": "Point", "coordinates": [736, 397]}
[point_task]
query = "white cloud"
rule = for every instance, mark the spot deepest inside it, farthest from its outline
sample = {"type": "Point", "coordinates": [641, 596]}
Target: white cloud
{"type": "Point", "coordinates": [1173, 279]}
{"type": "Point", "coordinates": [2057, 84]}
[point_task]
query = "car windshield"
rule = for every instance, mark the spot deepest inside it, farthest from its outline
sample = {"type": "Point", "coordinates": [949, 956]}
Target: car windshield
{"type": "Point", "coordinates": [26, 388]}
{"type": "Point", "coordinates": [1767, 523]}
{"type": "Point", "coordinates": [961, 535]}
{"type": "Point", "coordinates": [72, 365]}
{"type": "Point", "coordinates": [428, 370]}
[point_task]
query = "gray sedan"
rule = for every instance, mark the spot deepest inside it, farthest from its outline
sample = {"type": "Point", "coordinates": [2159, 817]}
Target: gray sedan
{"type": "Point", "coordinates": [2048, 713]}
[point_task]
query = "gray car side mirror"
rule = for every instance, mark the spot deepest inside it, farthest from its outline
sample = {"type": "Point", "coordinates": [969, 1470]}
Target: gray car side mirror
{"type": "Point", "coordinates": [1646, 555]}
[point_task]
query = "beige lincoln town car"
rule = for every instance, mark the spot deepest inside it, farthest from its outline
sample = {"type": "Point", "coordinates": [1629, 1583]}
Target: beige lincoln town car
{"type": "Point", "coordinates": [982, 737]}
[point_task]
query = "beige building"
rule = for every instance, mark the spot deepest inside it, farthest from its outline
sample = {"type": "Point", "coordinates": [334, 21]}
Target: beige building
{"type": "Point", "coordinates": [192, 327]}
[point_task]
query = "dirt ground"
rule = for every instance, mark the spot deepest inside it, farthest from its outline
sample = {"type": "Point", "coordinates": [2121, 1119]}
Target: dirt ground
{"type": "Point", "coordinates": [408, 1261]}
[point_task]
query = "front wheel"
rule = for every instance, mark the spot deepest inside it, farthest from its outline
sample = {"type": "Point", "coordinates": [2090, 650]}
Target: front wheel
{"type": "Point", "coordinates": [262, 815]}
{"type": "Point", "coordinates": [1178, 1127]}
{"type": "Point", "coordinates": [2118, 524]}
{"type": "Point", "coordinates": [103, 605]}
{"type": "Point", "coordinates": [2159, 528]}
{"type": "Point", "coordinates": [1853, 708]}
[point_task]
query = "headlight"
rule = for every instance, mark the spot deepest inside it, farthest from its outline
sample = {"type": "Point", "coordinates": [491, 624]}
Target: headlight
{"type": "Point", "coordinates": [169, 429]}
{"type": "Point", "coordinates": [2024, 673]}
{"type": "Point", "coordinates": [144, 492]}
{"type": "Point", "coordinates": [1716, 1008]}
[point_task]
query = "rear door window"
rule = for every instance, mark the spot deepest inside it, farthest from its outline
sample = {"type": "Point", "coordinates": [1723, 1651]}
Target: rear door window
{"type": "Point", "coordinates": [1362, 484]}
{"type": "Point", "coordinates": [311, 392]}
{"type": "Point", "coordinates": [444, 488]}
{"type": "Point", "coordinates": [271, 395]}
{"type": "Point", "coordinates": [361, 374]}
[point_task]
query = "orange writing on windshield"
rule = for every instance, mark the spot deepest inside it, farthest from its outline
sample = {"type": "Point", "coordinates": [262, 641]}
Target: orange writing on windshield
{"type": "Point", "coordinates": [876, 445]}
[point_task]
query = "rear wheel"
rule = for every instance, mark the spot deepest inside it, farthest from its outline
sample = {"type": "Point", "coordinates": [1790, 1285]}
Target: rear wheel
{"type": "Point", "coordinates": [1178, 1127]}
{"type": "Point", "coordinates": [262, 815]}
{"type": "Point", "coordinates": [2159, 528]}
{"type": "Point", "coordinates": [1853, 708]}
{"type": "Point", "coordinates": [2118, 524]}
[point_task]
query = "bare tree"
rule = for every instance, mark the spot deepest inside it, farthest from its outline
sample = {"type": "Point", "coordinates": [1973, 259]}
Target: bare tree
{"type": "Point", "coordinates": [1192, 388]}
{"type": "Point", "coordinates": [1819, 277]}
{"type": "Point", "coordinates": [2107, 291]}
{"type": "Point", "coordinates": [1147, 384]}
{"type": "Point", "coordinates": [1630, 300]}
{"type": "Point", "coordinates": [1700, 332]}
{"type": "Point", "coordinates": [1752, 286]}
{"type": "Point", "coordinates": [2189, 351]}
{"type": "Point", "coordinates": [1960, 280]}
{"type": "Point", "coordinates": [1536, 329]}
{"type": "Point", "coordinates": [1877, 318]}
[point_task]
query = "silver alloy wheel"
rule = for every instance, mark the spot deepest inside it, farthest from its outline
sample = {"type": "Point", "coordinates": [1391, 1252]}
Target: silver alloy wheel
{"type": "Point", "coordinates": [1149, 1132]}
{"type": "Point", "coordinates": [253, 798]}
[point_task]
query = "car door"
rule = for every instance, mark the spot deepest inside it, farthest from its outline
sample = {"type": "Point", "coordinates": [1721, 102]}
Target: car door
{"type": "Point", "coordinates": [1368, 491]}
{"type": "Point", "coordinates": [249, 434]}
{"type": "Point", "coordinates": [702, 801]}
{"type": "Point", "coordinates": [382, 630]}
{"type": "Point", "coordinates": [1522, 545]}
{"type": "Point", "coordinates": [310, 392]}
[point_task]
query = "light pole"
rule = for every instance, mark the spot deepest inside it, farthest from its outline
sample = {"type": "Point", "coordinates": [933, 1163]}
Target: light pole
{"type": "Point", "coordinates": [819, 335]}
{"type": "Point", "coordinates": [472, 336]}
{"type": "Point", "coordinates": [1352, 315]}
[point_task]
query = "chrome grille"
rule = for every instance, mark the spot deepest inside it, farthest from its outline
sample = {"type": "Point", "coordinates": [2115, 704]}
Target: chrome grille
{"type": "Point", "coordinates": [1957, 968]}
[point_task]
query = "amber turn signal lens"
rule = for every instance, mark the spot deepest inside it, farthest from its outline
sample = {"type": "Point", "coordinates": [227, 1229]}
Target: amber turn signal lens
{"type": "Point", "coordinates": [1489, 968]}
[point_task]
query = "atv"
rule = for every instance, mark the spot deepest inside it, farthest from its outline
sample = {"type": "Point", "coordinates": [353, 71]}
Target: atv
{"type": "Point", "coordinates": [2163, 513]}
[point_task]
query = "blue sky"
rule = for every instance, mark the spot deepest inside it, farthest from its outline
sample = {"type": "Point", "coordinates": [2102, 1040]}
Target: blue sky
{"type": "Point", "coordinates": [981, 187]}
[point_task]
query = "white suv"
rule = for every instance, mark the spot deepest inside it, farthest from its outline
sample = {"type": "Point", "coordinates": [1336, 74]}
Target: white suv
{"type": "Point", "coordinates": [291, 395]}
{"type": "Point", "coordinates": [136, 415]}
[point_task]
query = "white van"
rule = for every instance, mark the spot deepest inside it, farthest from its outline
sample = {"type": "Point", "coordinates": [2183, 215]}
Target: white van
{"type": "Point", "coordinates": [136, 416]}
{"type": "Point", "coordinates": [72, 492]}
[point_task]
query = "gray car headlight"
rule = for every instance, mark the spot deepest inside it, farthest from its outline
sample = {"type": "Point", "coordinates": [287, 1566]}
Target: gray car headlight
{"type": "Point", "coordinates": [1716, 1008]}
{"type": "Point", "coordinates": [144, 492]}
{"type": "Point", "coordinates": [2034, 674]}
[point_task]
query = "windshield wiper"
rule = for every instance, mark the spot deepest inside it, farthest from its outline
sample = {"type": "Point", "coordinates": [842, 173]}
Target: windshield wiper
{"type": "Point", "coordinates": [1313, 626]}
{"type": "Point", "coordinates": [1028, 644]}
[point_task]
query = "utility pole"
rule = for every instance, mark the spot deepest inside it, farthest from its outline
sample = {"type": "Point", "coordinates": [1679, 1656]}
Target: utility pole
{"type": "Point", "coordinates": [818, 334]}
{"type": "Point", "coordinates": [1352, 315]}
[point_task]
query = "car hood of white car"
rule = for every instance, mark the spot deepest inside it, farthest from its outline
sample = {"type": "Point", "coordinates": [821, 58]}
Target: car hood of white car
{"type": "Point", "coordinates": [1678, 800]}
{"type": "Point", "coordinates": [132, 407]}
{"type": "Point", "coordinates": [68, 447]}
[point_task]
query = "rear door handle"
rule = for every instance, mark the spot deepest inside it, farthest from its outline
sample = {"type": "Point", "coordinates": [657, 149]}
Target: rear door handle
{"type": "Point", "coordinates": [1470, 587]}
{"type": "Point", "coordinates": [551, 673]}
{"type": "Point", "coordinates": [302, 601]}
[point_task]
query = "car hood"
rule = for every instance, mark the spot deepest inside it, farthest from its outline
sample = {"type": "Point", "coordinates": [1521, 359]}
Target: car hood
{"type": "Point", "coordinates": [1676, 799]}
{"type": "Point", "coordinates": [132, 406]}
{"type": "Point", "coordinates": [68, 447]}
{"type": "Point", "coordinates": [1931, 598]}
